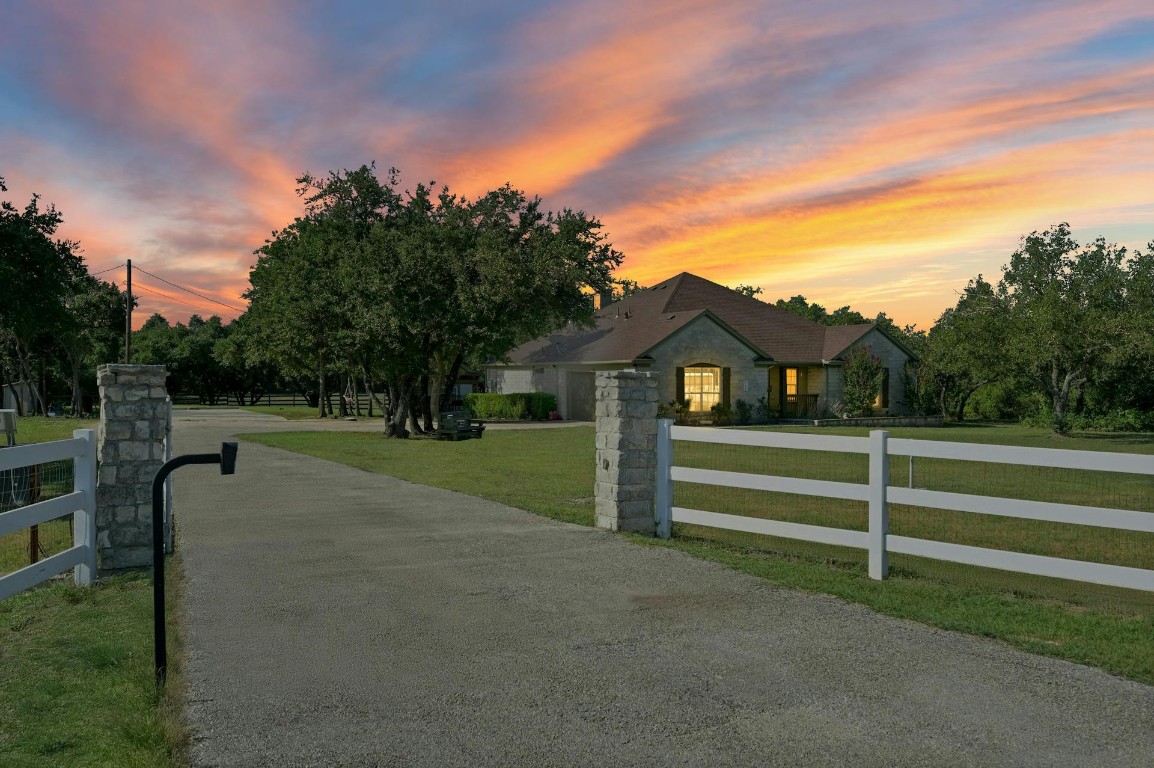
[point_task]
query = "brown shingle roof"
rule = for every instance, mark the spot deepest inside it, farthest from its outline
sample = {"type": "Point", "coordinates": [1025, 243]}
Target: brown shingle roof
{"type": "Point", "coordinates": [628, 329]}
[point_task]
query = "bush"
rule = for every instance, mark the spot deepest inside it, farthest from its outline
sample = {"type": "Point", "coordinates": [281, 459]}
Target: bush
{"type": "Point", "coordinates": [516, 406]}
{"type": "Point", "coordinates": [1122, 420]}
{"type": "Point", "coordinates": [742, 412]}
{"type": "Point", "coordinates": [762, 413]}
{"type": "Point", "coordinates": [861, 382]}
{"type": "Point", "coordinates": [678, 410]}
{"type": "Point", "coordinates": [722, 415]}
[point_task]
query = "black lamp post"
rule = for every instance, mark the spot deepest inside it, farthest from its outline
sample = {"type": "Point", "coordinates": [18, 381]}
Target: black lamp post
{"type": "Point", "coordinates": [227, 461]}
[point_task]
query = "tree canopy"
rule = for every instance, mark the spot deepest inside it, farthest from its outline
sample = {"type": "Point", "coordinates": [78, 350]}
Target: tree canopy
{"type": "Point", "coordinates": [403, 288]}
{"type": "Point", "coordinates": [55, 317]}
{"type": "Point", "coordinates": [1071, 323]}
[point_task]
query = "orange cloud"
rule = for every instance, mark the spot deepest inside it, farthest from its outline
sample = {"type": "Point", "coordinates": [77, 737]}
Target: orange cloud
{"type": "Point", "coordinates": [871, 154]}
{"type": "Point", "coordinates": [839, 247]}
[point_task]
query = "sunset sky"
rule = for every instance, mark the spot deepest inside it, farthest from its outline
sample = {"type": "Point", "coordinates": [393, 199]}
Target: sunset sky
{"type": "Point", "coordinates": [876, 154]}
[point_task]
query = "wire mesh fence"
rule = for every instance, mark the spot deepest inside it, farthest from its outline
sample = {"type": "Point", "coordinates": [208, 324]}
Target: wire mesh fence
{"type": "Point", "coordinates": [21, 487]}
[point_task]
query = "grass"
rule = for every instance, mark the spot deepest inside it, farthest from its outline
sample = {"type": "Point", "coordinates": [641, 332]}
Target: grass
{"type": "Point", "coordinates": [76, 667]}
{"type": "Point", "coordinates": [76, 679]}
{"type": "Point", "coordinates": [547, 471]}
{"type": "Point", "coordinates": [551, 472]}
{"type": "Point", "coordinates": [290, 412]}
{"type": "Point", "coordinates": [40, 429]}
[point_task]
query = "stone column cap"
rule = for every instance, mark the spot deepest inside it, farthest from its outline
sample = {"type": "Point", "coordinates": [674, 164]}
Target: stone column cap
{"type": "Point", "coordinates": [131, 368]}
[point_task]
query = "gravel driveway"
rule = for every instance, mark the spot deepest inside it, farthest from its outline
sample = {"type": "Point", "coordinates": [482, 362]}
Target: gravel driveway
{"type": "Point", "coordinates": [342, 618]}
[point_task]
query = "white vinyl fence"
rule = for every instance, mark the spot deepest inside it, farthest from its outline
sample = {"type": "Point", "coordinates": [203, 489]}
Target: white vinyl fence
{"type": "Point", "coordinates": [879, 494]}
{"type": "Point", "coordinates": [81, 504]}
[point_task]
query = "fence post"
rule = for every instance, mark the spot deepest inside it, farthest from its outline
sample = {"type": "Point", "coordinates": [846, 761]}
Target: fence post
{"type": "Point", "coordinates": [623, 490]}
{"type": "Point", "coordinates": [664, 480]}
{"type": "Point", "coordinates": [168, 480]}
{"type": "Point", "coordinates": [84, 520]}
{"type": "Point", "coordinates": [878, 503]}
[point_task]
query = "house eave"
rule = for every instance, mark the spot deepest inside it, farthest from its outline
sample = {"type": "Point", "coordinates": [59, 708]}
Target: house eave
{"type": "Point", "coordinates": [570, 363]}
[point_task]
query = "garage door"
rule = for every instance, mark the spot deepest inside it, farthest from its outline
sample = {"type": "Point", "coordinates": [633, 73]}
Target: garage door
{"type": "Point", "coordinates": [580, 388]}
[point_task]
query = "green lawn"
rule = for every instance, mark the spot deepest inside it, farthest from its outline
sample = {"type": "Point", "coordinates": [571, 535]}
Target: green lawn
{"type": "Point", "coordinates": [547, 471]}
{"type": "Point", "coordinates": [290, 412]}
{"type": "Point", "coordinates": [76, 679]}
{"type": "Point", "coordinates": [76, 666]}
{"type": "Point", "coordinates": [551, 472]}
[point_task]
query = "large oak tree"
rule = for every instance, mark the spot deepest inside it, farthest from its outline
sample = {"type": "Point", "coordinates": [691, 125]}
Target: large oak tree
{"type": "Point", "coordinates": [408, 286]}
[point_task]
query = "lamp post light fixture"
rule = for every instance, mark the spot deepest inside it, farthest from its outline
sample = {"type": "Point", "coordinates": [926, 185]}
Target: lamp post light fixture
{"type": "Point", "coordinates": [227, 461]}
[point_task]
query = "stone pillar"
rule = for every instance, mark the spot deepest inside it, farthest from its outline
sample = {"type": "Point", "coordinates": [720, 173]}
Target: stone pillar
{"type": "Point", "coordinates": [133, 420]}
{"type": "Point", "coordinates": [626, 451]}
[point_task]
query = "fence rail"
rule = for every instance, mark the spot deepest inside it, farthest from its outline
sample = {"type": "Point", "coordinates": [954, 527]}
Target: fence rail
{"type": "Point", "coordinates": [276, 399]}
{"type": "Point", "coordinates": [81, 504]}
{"type": "Point", "coordinates": [880, 494]}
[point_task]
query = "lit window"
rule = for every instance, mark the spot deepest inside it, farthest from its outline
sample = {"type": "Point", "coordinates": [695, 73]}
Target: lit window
{"type": "Point", "coordinates": [702, 387]}
{"type": "Point", "coordinates": [883, 397]}
{"type": "Point", "coordinates": [791, 385]}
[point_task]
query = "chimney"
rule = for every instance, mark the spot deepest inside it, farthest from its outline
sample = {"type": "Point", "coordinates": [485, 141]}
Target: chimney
{"type": "Point", "coordinates": [604, 298]}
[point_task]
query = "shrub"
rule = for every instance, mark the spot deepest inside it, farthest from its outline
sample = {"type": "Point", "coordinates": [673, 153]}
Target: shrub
{"type": "Point", "coordinates": [722, 415]}
{"type": "Point", "coordinates": [1122, 420]}
{"type": "Point", "coordinates": [678, 410]}
{"type": "Point", "coordinates": [516, 406]}
{"type": "Point", "coordinates": [742, 412]}
{"type": "Point", "coordinates": [762, 413]}
{"type": "Point", "coordinates": [862, 380]}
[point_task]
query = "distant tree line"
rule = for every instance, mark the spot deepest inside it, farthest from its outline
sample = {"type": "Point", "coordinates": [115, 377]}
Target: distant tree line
{"type": "Point", "coordinates": [1065, 339]}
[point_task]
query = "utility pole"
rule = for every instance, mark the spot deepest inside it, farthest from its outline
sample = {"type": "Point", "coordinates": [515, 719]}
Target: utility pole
{"type": "Point", "coordinates": [128, 317]}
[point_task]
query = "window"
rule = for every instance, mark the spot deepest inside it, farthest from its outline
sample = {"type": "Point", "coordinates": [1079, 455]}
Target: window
{"type": "Point", "coordinates": [702, 387]}
{"type": "Point", "coordinates": [883, 398]}
{"type": "Point", "coordinates": [791, 385]}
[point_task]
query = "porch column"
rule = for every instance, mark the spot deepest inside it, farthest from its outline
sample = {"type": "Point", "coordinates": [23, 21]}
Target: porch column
{"type": "Point", "coordinates": [625, 488]}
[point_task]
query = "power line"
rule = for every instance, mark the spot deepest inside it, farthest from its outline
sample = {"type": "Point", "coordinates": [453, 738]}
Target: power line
{"type": "Point", "coordinates": [188, 290]}
{"type": "Point", "coordinates": [138, 286]}
{"type": "Point", "coordinates": [101, 272]}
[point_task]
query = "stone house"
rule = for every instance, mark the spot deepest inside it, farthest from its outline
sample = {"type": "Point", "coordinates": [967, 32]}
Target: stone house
{"type": "Point", "coordinates": [709, 344]}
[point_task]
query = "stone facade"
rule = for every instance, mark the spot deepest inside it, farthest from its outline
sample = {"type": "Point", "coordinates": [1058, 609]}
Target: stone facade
{"type": "Point", "coordinates": [705, 342]}
{"type": "Point", "coordinates": [134, 410]}
{"type": "Point", "coordinates": [625, 488]}
{"type": "Point", "coordinates": [894, 359]}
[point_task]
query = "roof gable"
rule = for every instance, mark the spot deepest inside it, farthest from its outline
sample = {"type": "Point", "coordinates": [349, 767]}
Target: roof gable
{"type": "Point", "coordinates": [628, 329]}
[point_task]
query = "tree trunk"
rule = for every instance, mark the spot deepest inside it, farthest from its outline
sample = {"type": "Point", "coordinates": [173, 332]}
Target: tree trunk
{"type": "Point", "coordinates": [416, 411]}
{"type": "Point", "coordinates": [451, 381]}
{"type": "Point", "coordinates": [25, 361]}
{"type": "Point", "coordinates": [960, 409]}
{"type": "Point", "coordinates": [1061, 397]}
{"type": "Point", "coordinates": [75, 388]}
{"type": "Point", "coordinates": [375, 398]}
{"type": "Point", "coordinates": [398, 410]}
{"type": "Point", "coordinates": [426, 404]}
{"type": "Point", "coordinates": [43, 388]}
{"type": "Point", "coordinates": [323, 408]}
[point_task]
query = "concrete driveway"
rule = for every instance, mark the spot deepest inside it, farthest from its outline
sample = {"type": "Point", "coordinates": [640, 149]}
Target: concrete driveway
{"type": "Point", "coordinates": [342, 618]}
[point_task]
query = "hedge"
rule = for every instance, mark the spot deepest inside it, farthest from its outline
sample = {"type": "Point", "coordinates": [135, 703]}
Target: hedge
{"type": "Point", "coordinates": [518, 406]}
